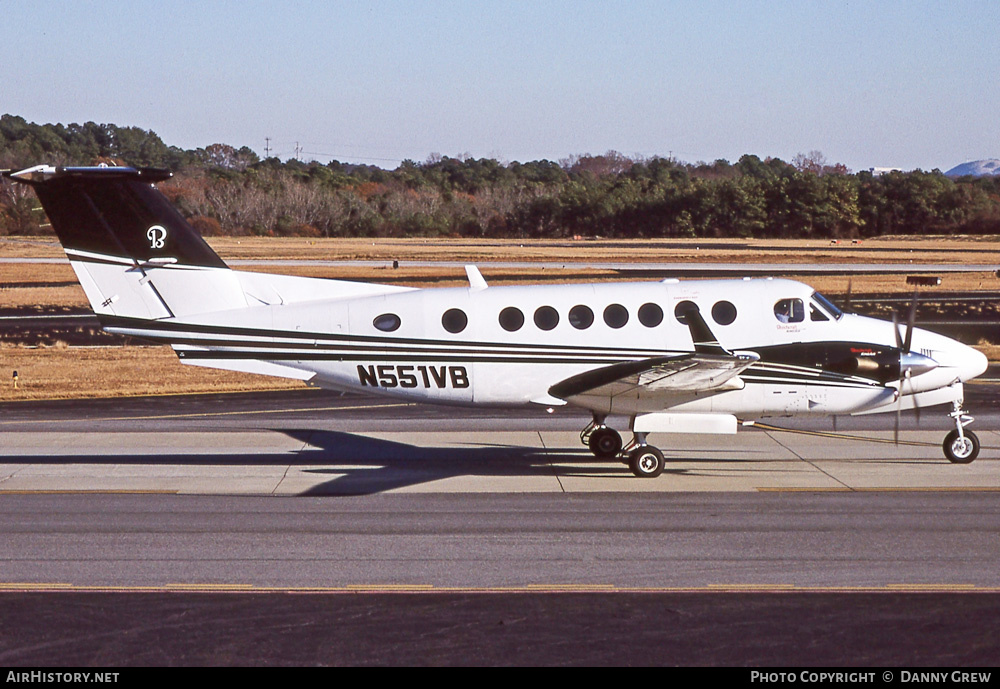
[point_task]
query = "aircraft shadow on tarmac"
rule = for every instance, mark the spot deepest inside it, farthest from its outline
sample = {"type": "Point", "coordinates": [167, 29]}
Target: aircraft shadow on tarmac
{"type": "Point", "coordinates": [361, 465]}
{"type": "Point", "coordinates": [372, 465]}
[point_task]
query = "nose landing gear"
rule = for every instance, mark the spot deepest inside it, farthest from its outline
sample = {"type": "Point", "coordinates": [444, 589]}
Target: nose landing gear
{"type": "Point", "coordinates": [960, 446]}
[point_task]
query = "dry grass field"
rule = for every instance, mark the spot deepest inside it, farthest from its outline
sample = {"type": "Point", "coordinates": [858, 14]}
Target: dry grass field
{"type": "Point", "coordinates": [56, 372]}
{"type": "Point", "coordinates": [64, 372]}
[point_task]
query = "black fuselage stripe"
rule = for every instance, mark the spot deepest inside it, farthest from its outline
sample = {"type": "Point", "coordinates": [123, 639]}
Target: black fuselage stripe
{"type": "Point", "coordinates": [495, 349]}
{"type": "Point", "coordinates": [378, 358]}
{"type": "Point", "coordinates": [381, 357]}
{"type": "Point", "coordinates": [119, 323]}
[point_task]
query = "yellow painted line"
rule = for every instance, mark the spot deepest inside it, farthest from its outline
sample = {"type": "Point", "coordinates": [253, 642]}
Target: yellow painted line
{"type": "Point", "coordinates": [214, 414]}
{"type": "Point", "coordinates": [19, 587]}
{"type": "Point", "coordinates": [571, 587]}
{"type": "Point", "coordinates": [210, 587]}
{"type": "Point", "coordinates": [930, 587]}
{"type": "Point", "coordinates": [389, 587]}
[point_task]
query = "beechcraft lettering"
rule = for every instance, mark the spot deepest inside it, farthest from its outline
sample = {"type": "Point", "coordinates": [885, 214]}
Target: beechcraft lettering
{"type": "Point", "coordinates": [697, 356]}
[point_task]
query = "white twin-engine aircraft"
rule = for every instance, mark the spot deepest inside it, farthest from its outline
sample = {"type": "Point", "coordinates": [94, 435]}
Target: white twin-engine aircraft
{"type": "Point", "coordinates": [676, 357]}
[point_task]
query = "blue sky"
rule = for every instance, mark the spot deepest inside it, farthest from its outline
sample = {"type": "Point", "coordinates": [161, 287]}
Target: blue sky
{"type": "Point", "coordinates": [907, 84]}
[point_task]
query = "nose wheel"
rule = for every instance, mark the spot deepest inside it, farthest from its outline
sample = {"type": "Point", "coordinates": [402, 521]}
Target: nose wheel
{"type": "Point", "coordinates": [961, 446]}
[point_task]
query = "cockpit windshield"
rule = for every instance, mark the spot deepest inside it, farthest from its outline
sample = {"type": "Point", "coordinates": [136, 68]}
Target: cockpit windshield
{"type": "Point", "coordinates": [827, 305]}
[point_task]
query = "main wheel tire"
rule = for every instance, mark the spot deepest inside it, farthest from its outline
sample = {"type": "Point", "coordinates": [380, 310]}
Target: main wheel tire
{"type": "Point", "coordinates": [646, 461]}
{"type": "Point", "coordinates": [961, 450]}
{"type": "Point", "coordinates": [605, 443]}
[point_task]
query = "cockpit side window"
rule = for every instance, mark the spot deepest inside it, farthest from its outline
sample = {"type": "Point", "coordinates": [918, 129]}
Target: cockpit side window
{"type": "Point", "coordinates": [789, 311]}
{"type": "Point", "coordinates": [815, 314]}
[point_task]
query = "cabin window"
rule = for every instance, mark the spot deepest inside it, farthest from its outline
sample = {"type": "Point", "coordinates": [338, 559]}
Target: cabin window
{"type": "Point", "coordinates": [723, 312]}
{"type": "Point", "coordinates": [616, 315]}
{"type": "Point", "coordinates": [546, 317]}
{"type": "Point", "coordinates": [581, 317]}
{"type": "Point", "coordinates": [511, 319]}
{"type": "Point", "coordinates": [789, 311]}
{"type": "Point", "coordinates": [682, 310]}
{"type": "Point", "coordinates": [650, 315]}
{"type": "Point", "coordinates": [387, 322]}
{"type": "Point", "coordinates": [454, 320]}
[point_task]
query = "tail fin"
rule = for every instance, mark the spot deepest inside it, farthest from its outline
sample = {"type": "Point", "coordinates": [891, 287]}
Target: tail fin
{"type": "Point", "coordinates": [134, 254]}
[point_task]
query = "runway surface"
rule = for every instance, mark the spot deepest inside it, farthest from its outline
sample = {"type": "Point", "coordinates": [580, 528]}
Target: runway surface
{"type": "Point", "coordinates": [303, 527]}
{"type": "Point", "coordinates": [503, 543]}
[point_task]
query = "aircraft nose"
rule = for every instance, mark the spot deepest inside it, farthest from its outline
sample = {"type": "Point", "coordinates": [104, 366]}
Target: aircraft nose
{"type": "Point", "coordinates": [954, 359]}
{"type": "Point", "coordinates": [964, 360]}
{"type": "Point", "coordinates": [975, 364]}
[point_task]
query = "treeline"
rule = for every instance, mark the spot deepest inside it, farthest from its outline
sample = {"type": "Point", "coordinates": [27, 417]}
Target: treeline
{"type": "Point", "coordinates": [224, 190]}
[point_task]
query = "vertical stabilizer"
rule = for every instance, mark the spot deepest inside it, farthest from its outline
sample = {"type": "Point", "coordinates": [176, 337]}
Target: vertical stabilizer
{"type": "Point", "coordinates": [134, 254]}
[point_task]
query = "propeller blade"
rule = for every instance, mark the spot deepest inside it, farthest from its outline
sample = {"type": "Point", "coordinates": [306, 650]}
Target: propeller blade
{"type": "Point", "coordinates": [910, 321]}
{"type": "Point", "coordinates": [847, 297]}
{"type": "Point", "coordinates": [899, 411]}
{"type": "Point", "coordinates": [895, 331]}
{"type": "Point", "coordinates": [903, 375]}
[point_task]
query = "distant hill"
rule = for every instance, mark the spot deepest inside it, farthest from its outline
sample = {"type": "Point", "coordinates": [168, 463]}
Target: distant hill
{"type": "Point", "coordinates": [977, 168]}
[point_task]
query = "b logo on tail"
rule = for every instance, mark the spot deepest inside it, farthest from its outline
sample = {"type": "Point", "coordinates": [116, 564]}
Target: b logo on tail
{"type": "Point", "coordinates": [157, 235]}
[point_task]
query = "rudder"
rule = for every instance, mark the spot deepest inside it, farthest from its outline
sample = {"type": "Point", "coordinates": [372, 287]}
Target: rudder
{"type": "Point", "coordinates": [134, 254]}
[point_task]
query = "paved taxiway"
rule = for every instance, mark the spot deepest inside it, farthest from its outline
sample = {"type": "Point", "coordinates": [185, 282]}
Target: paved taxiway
{"type": "Point", "coordinates": [413, 534]}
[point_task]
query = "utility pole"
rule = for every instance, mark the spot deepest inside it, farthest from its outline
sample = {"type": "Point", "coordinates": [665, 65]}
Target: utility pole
{"type": "Point", "coordinates": [267, 147]}
{"type": "Point", "coordinates": [298, 150]}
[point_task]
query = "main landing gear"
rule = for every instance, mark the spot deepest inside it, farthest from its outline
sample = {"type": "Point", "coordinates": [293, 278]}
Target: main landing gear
{"type": "Point", "coordinates": [960, 446]}
{"type": "Point", "coordinates": [643, 459]}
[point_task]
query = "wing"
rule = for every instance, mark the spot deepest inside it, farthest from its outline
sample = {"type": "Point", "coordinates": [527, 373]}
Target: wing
{"type": "Point", "coordinates": [709, 368]}
{"type": "Point", "coordinates": [687, 373]}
